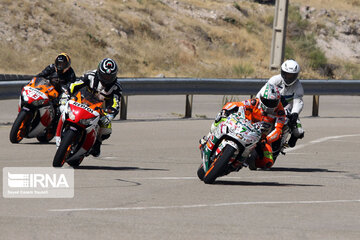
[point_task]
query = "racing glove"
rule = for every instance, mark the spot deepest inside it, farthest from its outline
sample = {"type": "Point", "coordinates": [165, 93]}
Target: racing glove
{"type": "Point", "coordinates": [62, 101]}
{"type": "Point", "coordinates": [106, 119]}
{"type": "Point", "coordinates": [223, 114]}
{"type": "Point", "coordinates": [64, 98]}
{"type": "Point", "coordinates": [292, 119]}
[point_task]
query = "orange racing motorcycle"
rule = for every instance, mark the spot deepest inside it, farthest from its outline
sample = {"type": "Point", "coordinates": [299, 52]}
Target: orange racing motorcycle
{"type": "Point", "coordinates": [36, 112]}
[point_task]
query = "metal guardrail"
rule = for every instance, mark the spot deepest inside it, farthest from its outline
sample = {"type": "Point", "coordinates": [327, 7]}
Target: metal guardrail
{"type": "Point", "coordinates": [195, 86]}
{"type": "Point", "coordinates": [13, 77]}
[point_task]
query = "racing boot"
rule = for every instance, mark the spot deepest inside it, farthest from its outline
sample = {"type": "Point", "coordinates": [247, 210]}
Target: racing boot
{"type": "Point", "coordinates": [95, 150]}
{"type": "Point", "coordinates": [292, 141]}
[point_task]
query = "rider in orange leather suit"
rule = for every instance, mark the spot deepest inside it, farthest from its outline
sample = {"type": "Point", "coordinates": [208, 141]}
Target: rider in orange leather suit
{"type": "Point", "coordinates": [273, 124]}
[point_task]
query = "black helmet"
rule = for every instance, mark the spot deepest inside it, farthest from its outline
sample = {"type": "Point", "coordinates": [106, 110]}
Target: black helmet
{"type": "Point", "coordinates": [106, 71]}
{"type": "Point", "coordinates": [62, 62]}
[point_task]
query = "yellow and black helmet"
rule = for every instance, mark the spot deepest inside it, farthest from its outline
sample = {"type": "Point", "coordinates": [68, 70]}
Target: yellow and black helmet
{"type": "Point", "coordinates": [62, 62]}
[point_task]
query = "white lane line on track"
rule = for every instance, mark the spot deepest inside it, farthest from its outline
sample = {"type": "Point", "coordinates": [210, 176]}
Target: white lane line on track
{"type": "Point", "coordinates": [320, 140]}
{"type": "Point", "coordinates": [220, 204]}
{"type": "Point", "coordinates": [201, 205]}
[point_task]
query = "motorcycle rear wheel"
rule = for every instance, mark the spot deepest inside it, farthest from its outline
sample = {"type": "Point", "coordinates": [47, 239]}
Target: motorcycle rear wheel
{"type": "Point", "coordinates": [19, 127]}
{"type": "Point", "coordinates": [76, 162]}
{"type": "Point", "coordinates": [219, 165]}
{"type": "Point", "coordinates": [46, 138]}
{"type": "Point", "coordinates": [64, 150]}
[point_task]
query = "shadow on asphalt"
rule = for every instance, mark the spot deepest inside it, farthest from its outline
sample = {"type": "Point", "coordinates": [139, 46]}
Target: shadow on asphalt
{"type": "Point", "coordinates": [131, 182]}
{"type": "Point", "coordinates": [162, 119]}
{"type": "Point", "coordinates": [280, 169]}
{"type": "Point", "coordinates": [39, 143]}
{"type": "Point", "coordinates": [269, 184]}
{"type": "Point", "coordinates": [119, 168]}
{"type": "Point", "coordinates": [331, 117]}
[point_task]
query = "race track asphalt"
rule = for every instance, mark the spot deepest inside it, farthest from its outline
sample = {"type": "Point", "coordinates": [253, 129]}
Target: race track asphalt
{"type": "Point", "coordinates": [144, 184]}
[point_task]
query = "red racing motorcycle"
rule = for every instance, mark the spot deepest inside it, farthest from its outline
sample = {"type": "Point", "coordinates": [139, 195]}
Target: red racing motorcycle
{"type": "Point", "coordinates": [77, 128]}
{"type": "Point", "coordinates": [36, 112]}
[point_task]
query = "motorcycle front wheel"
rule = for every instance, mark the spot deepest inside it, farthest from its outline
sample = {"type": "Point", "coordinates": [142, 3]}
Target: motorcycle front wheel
{"type": "Point", "coordinates": [201, 172]}
{"type": "Point", "coordinates": [64, 150]}
{"type": "Point", "coordinates": [219, 165]}
{"type": "Point", "coordinates": [19, 127]}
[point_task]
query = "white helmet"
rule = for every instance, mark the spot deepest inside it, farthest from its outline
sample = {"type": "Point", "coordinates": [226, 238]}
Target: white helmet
{"type": "Point", "coordinates": [289, 71]}
{"type": "Point", "coordinates": [269, 98]}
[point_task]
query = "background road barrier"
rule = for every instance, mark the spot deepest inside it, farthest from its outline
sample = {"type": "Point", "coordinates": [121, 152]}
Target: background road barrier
{"type": "Point", "coordinates": [10, 87]}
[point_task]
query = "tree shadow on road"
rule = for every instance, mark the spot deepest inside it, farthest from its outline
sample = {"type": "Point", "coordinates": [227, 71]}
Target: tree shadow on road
{"type": "Point", "coordinates": [282, 169]}
{"type": "Point", "coordinates": [119, 168]}
{"type": "Point", "coordinates": [269, 184]}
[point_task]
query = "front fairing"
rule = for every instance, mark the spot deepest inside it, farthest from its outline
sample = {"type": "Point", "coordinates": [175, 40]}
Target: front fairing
{"type": "Point", "coordinates": [240, 129]}
{"type": "Point", "coordinates": [81, 113]}
{"type": "Point", "coordinates": [234, 130]}
{"type": "Point", "coordinates": [33, 98]}
{"type": "Point", "coordinates": [38, 92]}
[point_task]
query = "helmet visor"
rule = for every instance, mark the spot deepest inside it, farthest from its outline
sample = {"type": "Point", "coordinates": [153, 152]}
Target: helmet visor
{"type": "Point", "coordinates": [61, 66]}
{"type": "Point", "coordinates": [270, 103]}
{"type": "Point", "coordinates": [106, 79]}
{"type": "Point", "coordinates": [289, 78]}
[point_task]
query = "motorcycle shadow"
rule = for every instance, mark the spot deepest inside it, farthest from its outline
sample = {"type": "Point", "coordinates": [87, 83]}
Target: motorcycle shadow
{"type": "Point", "coordinates": [269, 184]}
{"type": "Point", "coordinates": [38, 143]}
{"type": "Point", "coordinates": [282, 169]}
{"type": "Point", "coordinates": [118, 168]}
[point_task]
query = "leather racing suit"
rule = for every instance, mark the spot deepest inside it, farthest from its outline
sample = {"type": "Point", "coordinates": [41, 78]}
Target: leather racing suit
{"type": "Point", "coordinates": [65, 79]}
{"type": "Point", "coordinates": [292, 100]}
{"type": "Point", "coordinates": [110, 95]}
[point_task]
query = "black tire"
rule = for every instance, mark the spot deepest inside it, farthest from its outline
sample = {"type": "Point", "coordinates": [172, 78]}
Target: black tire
{"type": "Point", "coordinates": [64, 149]}
{"type": "Point", "coordinates": [75, 162]}
{"type": "Point", "coordinates": [201, 172]}
{"type": "Point", "coordinates": [43, 139]}
{"type": "Point", "coordinates": [46, 138]}
{"type": "Point", "coordinates": [19, 128]}
{"type": "Point", "coordinates": [219, 165]}
{"type": "Point", "coordinates": [252, 164]}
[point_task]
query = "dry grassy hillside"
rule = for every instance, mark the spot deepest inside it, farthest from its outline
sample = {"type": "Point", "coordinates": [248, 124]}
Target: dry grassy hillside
{"type": "Point", "coordinates": [198, 38]}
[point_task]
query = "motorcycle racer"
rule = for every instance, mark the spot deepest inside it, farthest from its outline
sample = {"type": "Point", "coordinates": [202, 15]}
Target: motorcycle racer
{"type": "Point", "coordinates": [61, 75]}
{"type": "Point", "coordinates": [102, 82]}
{"type": "Point", "coordinates": [292, 93]}
{"type": "Point", "coordinates": [62, 69]}
{"type": "Point", "coordinates": [266, 109]}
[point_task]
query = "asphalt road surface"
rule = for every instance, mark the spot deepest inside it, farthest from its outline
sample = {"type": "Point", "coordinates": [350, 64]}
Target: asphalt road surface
{"type": "Point", "coordinates": [144, 184]}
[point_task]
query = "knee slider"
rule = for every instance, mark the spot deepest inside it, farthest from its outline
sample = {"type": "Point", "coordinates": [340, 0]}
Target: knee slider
{"type": "Point", "coordinates": [301, 135]}
{"type": "Point", "coordinates": [269, 164]}
{"type": "Point", "coordinates": [105, 136]}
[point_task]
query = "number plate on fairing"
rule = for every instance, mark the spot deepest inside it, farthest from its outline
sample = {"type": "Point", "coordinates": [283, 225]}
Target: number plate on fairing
{"type": "Point", "coordinates": [34, 93]}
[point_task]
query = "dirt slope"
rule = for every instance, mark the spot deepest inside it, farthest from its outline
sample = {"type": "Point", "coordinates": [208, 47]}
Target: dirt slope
{"type": "Point", "coordinates": [170, 38]}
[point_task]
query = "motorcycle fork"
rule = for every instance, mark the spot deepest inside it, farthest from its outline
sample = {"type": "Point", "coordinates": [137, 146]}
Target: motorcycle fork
{"type": "Point", "coordinates": [208, 150]}
{"type": "Point", "coordinates": [30, 120]}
